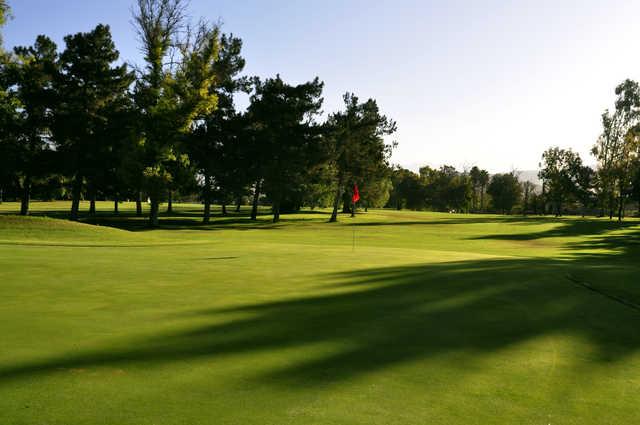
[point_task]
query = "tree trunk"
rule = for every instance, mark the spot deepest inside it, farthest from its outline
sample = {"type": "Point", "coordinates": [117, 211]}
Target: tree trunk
{"type": "Point", "coordinates": [26, 196]}
{"type": "Point", "coordinates": [115, 206]}
{"type": "Point", "coordinates": [482, 199]}
{"type": "Point", "coordinates": [153, 214]}
{"type": "Point", "coordinates": [346, 206]}
{"type": "Point", "coordinates": [238, 205]}
{"type": "Point", "coordinates": [207, 200]}
{"type": "Point", "coordinates": [558, 208]}
{"type": "Point", "coordinates": [276, 211]}
{"type": "Point", "coordinates": [75, 197]}
{"type": "Point", "coordinates": [620, 208]}
{"type": "Point", "coordinates": [170, 202]}
{"type": "Point", "coordinates": [92, 203]}
{"type": "Point", "coordinates": [139, 205]}
{"type": "Point", "coordinates": [207, 212]}
{"type": "Point", "coordinates": [336, 202]}
{"type": "Point", "coordinates": [256, 197]}
{"type": "Point", "coordinates": [353, 209]}
{"type": "Point", "coordinates": [224, 209]}
{"type": "Point", "coordinates": [611, 206]}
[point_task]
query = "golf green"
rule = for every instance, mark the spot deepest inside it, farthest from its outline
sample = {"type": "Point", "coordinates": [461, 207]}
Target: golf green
{"type": "Point", "coordinates": [393, 317]}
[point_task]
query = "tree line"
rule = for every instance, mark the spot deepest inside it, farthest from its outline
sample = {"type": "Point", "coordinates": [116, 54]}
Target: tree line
{"type": "Point", "coordinates": [470, 191]}
{"type": "Point", "coordinates": [80, 124]}
{"type": "Point", "coordinates": [568, 185]}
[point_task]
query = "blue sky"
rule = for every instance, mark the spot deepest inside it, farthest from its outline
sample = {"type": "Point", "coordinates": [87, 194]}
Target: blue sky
{"type": "Point", "coordinates": [491, 83]}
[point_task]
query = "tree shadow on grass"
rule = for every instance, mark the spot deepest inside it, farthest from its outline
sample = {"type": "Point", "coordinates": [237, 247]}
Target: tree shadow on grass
{"type": "Point", "coordinates": [184, 218]}
{"type": "Point", "coordinates": [381, 317]}
{"type": "Point", "coordinates": [567, 228]}
{"type": "Point", "coordinates": [184, 223]}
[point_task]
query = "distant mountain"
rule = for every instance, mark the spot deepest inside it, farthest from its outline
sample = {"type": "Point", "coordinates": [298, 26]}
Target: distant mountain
{"type": "Point", "coordinates": [531, 176]}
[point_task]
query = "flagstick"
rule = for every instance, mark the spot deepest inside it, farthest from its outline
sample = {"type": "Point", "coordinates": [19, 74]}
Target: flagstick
{"type": "Point", "coordinates": [354, 198]}
{"type": "Point", "coordinates": [353, 214]}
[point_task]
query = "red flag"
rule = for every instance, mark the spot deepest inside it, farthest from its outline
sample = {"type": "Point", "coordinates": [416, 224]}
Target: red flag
{"type": "Point", "coordinates": [356, 195]}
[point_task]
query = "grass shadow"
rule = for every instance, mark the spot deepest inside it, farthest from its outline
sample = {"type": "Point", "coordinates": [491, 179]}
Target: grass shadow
{"type": "Point", "coordinates": [182, 218]}
{"type": "Point", "coordinates": [567, 228]}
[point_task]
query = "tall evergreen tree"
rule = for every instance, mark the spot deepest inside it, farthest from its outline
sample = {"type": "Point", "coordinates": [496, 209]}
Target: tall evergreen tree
{"type": "Point", "coordinates": [29, 78]}
{"type": "Point", "coordinates": [286, 137]}
{"type": "Point", "coordinates": [358, 149]}
{"type": "Point", "coordinates": [8, 112]}
{"type": "Point", "coordinates": [120, 137]}
{"type": "Point", "coordinates": [90, 90]}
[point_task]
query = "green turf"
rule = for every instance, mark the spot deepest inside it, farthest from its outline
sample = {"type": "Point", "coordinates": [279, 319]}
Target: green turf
{"type": "Point", "coordinates": [431, 319]}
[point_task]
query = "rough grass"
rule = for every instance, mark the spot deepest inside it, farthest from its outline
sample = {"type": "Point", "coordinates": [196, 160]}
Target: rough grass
{"type": "Point", "coordinates": [432, 318]}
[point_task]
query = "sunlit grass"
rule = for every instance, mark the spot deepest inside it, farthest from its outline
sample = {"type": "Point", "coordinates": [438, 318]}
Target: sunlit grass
{"type": "Point", "coordinates": [427, 318]}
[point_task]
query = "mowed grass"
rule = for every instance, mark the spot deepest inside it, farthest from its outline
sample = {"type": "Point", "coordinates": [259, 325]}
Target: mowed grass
{"type": "Point", "coordinates": [430, 319]}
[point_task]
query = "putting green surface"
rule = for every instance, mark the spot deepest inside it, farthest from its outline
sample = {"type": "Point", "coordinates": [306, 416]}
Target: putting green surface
{"type": "Point", "coordinates": [430, 319]}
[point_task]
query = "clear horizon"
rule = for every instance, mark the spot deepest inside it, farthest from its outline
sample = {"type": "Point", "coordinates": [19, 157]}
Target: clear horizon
{"type": "Point", "coordinates": [491, 85]}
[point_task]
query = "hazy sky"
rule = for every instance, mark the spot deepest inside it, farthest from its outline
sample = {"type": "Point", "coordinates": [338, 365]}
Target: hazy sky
{"type": "Point", "coordinates": [491, 83]}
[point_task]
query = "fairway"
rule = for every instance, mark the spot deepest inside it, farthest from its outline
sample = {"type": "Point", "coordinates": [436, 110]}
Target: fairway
{"type": "Point", "coordinates": [429, 318]}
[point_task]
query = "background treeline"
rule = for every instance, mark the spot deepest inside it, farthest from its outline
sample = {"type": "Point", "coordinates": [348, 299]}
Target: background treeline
{"type": "Point", "coordinates": [568, 186]}
{"type": "Point", "coordinates": [78, 124]}
{"type": "Point", "coordinates": [473, 191]}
